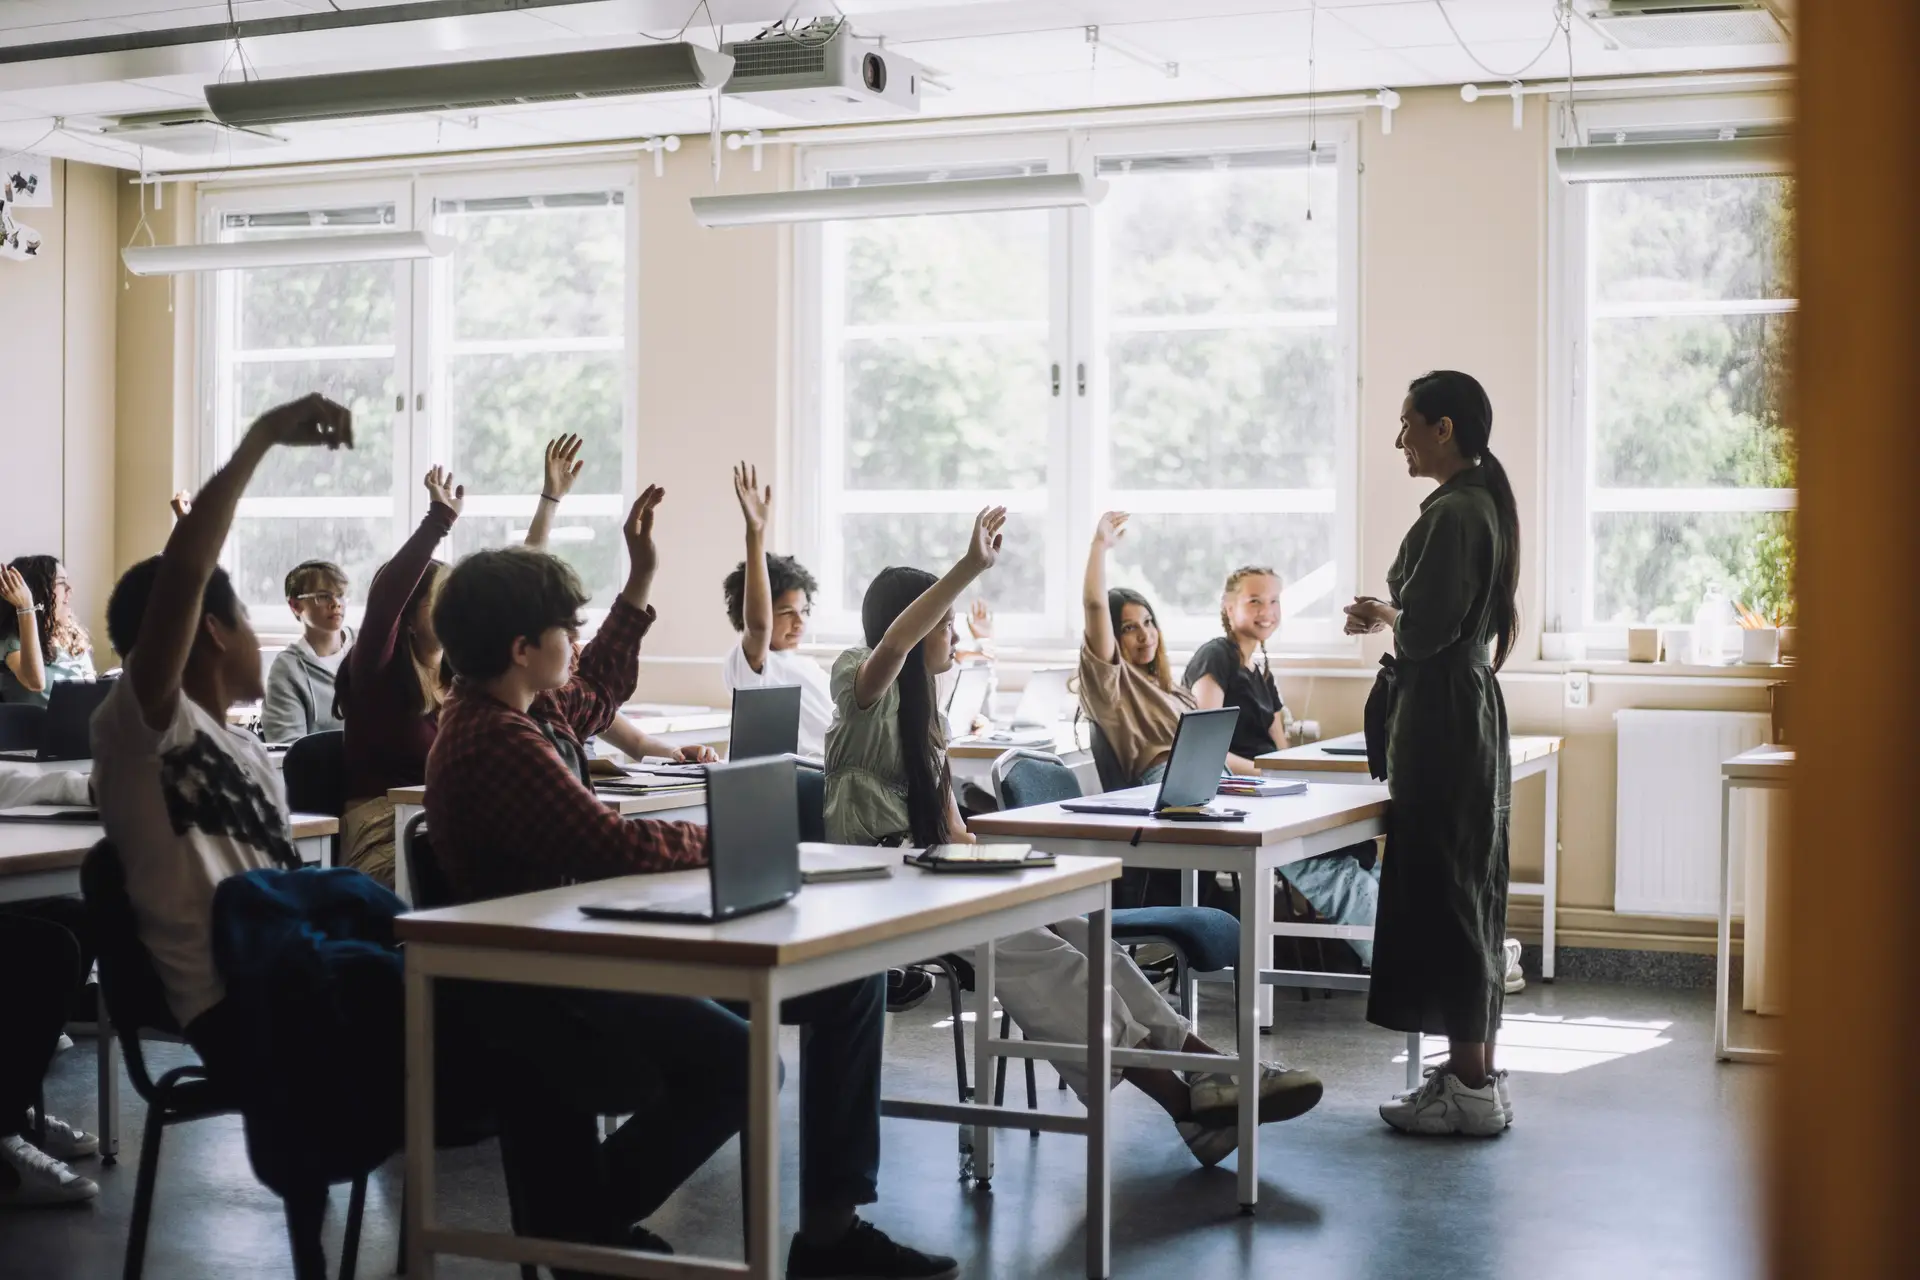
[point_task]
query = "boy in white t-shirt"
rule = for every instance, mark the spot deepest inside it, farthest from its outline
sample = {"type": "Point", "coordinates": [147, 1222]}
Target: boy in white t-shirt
{"type": "Point", "coordinates": [768, 600]}
{"type": "Point", "coordinates": [186, 799]}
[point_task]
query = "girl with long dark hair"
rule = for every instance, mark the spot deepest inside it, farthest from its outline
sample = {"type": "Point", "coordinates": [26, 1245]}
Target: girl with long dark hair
{"type": "Point", "coordinates": [1437, 731]}
{"type": "Point", "coordinates": [42, 641]}
{"type": "Point", "coordinates": [888, 782]}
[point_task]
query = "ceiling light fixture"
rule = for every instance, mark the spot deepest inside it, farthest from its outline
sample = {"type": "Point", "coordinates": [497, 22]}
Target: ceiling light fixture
{"type": "Point", "coordinates": [901, 200]}
{"type": "Point", "coordinates": [283, 251]}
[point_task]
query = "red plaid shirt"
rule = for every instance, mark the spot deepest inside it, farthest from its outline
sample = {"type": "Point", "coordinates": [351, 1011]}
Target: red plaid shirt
{"type": "Point", "coordinates": [506, 812]}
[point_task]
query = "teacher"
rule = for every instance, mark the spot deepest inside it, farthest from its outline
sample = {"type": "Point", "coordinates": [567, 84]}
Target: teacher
{"type": "Point", "coordinates": [1437, 731]}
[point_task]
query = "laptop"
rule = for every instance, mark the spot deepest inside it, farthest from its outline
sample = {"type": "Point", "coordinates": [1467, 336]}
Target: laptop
{"type": "Point", "coordinates": [1193, 770]}
{"type": "Point", "coordinates": [753, 845]}
{"type": "Point", "coordinates": [766, 722]}
{"type": "Point", "coordinates": [971, 685]}
{"type": "Point", "coordinates": [67, 731]}
{"type": "Point", "coordinates": [1047, 700]}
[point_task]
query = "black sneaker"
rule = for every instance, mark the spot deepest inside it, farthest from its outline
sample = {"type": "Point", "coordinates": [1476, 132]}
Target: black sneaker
{"type": "Point", "coordinates": [907, 988]}
{"type": "Point", "coordinates": [865, 1253]}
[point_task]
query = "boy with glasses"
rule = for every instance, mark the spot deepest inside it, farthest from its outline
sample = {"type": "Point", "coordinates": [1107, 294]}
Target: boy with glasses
{"type": "Point", "coordinates": [300, 684]}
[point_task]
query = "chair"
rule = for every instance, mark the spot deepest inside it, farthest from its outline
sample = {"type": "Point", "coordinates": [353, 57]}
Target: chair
{"type": "Point", "coordinates": [22, 726]}
{"type": "Point", "coordinates": [315, 771]}
{"type": "Point", "coordinates": [812, 785]}
{"type": "Point", "coordinates": [1106, 762]}
{"type": "Point", "coordinates": [136, 1004]}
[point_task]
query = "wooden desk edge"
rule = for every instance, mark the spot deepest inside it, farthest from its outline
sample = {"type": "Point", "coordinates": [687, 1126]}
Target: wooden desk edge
{"type": "Point", "coordinates": [1071, 826]}
{"type": "Point", "coordinates": [1311, 759]}
{"type": "Point", "coordinates": [626, 806]}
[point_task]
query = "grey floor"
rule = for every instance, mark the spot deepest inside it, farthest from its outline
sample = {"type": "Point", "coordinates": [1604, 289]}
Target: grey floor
{"type": "Point", "coordinates": [1631, 1156]}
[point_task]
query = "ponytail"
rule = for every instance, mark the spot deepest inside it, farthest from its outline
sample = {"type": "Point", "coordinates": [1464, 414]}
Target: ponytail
{"type": "Point", "coordinates": [1448, 393]}
{"type": "Point", "coordinates": [923, 739]}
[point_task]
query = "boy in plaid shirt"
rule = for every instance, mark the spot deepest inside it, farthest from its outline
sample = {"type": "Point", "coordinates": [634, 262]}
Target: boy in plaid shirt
{"type": "Point", "coordinates": [510, 811]}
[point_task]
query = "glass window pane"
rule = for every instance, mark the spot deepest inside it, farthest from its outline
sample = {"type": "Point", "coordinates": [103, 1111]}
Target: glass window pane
{"type": "Point", "coordinates": [505, 409]}
{"type": "Point", "coordinates": [542, 272]}
{"type": "Point", "coordinates": [261, 549]}
{"type": "Point", "coordinates": [976, 267]}
{"type": "Point", "coordinates": [1223, 409]}
{"type": "Point", "coordinates": [1180, 562]}
{"type": "Point", "coordinates": [1017, 584]}
{"type": "Point", "coordinates": [1708, 238]}
{"type": "Point", "coordinates": [591, 544]}
{"type": "Point", "coordinates": [1187, 242]}
{"type": "Point", "coordinates": [366, 387]}
{"type": "Point", "coordinates": [946, 412]}
{"type": "Point", "coordinates": [1656, 567]}
{"type": "Point", "coordinates": [1690, 401]}
{"type": "Point", "coordinates": [341, 304]}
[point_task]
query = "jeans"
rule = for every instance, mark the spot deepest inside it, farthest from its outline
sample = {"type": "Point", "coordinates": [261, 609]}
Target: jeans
{"type": "Point", "coordinates": [1335, 885]}
{"type": "Point", "coordinates": [678, 1068]}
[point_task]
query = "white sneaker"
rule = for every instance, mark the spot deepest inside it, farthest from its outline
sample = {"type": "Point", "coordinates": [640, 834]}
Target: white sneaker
{"type": "Point", "coordinates": [62, 1141]}
{"type": "Point", "coordinates": [64, 1043]}
{"type": "Point", "coordinates": [1516, 976]}
{"type": "Point", "coordinates": [1506, 1099]}
{"type": "Point", "coordinates": [1285, 1092]}
{"type": "Point", "coordinates": [1444, 1105]}
{"type": "Point", "coordinates": [1209, 1146]}
{"type": "Point", "coordinates": [39, 1178]}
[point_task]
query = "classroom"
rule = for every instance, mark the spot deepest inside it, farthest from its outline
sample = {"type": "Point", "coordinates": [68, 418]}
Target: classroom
{"type": "Point", "coordinates": [642, 636]}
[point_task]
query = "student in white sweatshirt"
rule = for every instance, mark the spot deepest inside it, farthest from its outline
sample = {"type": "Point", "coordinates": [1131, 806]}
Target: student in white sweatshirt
{"type": "Point", "coordinates": [299, 697]}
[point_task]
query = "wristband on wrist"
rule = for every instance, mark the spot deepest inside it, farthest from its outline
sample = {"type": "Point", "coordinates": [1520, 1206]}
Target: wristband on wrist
{"type": "Point", "coordinates": [547, 497]}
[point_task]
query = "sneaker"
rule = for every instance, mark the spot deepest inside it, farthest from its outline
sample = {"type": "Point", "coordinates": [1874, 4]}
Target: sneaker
{"type": "Point", "coordinates": [906, 988]}
{"type": "Point", "coordinates": [1209, 1145]}
{"type": "Point", "coordinates": [1444, 1105]}
{"type": "Point", "coordinates": [37, 1178]}
{"type": "Point", "coordinates": [1506, 1099]}
{"type": "Point", "coordinates": [1285, 1092]}
{"type": "Point", "coordinates": [865, 1253]}
{"type": "Point", "coordinates": [1516, 976]}
{"type": "Point", "coordinates": [64, 1043]}
{"type": "Point", "coordinates": [61, 1140]}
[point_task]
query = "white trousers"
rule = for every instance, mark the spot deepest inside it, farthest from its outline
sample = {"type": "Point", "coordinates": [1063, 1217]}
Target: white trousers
{"type": "Point", "coordinates": [1041, 979]}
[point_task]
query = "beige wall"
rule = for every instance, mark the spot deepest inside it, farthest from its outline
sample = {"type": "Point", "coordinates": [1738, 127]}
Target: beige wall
{"type": "Point", "coordinates": [57, 368]}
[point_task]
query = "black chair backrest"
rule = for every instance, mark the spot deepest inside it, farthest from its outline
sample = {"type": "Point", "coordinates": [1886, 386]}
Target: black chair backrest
{"type": "Point", "coordinates": [812, 785]}
{"type": "Point", "coordinates": [1105, 762]}
{"type": "Point", "coordinates": [424, 879]}
{"type": "Point", "coordinates": [316, 773]}
{"type": "Point", "coordinates": [136, 999]}
{"type": "Point", "coordinates": [23, 725]}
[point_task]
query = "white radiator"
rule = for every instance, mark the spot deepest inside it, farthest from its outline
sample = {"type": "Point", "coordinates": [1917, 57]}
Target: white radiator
{"type": "Point", "coordinates": [1666, 831]}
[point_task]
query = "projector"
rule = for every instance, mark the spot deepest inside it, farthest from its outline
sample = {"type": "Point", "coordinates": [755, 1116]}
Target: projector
{"type": "Point", "coordinates": [812, 75]}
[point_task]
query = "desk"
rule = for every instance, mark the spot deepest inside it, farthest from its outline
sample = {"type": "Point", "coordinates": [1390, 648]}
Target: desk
{"type": "Point", "coordinates": [1765, 768]}
{"type": "Point", "coordinates": [698, 728]}
{"type": "Point", "coordinates": [1276, 831]}
{"type": "Point", "coordinates": [971, 756]}
{"type": "Point", "coordinates": [42, 860]}
{"type": "Point", "coordinates": [682, 806]}
{"type": "Point", "coordinates": [1531, 755]}
{"type": "Point", "coordinates": [829, 934]}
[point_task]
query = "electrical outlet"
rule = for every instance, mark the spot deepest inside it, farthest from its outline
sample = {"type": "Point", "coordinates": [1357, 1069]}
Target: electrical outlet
{"type": "Point", "coordinates": [1578, 686]}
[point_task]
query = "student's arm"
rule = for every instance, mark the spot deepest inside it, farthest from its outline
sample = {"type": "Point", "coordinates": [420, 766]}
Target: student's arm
{"type": "Point", "coordinates": [1208, 695]}
{"type": "Point", "coordinates": [756, 598]}
{"type": "Point", "coordinates": [563, 468]}
{"type": "Point", "coordinates": [1093, 593]}
{"type": "Point", "coordinates": [174, 611]}
{"type": "Point", "coordinates": [609, 664]}
{"type": "Point", "coordinates": [26, 662]}
{"type": "Point", "coordinates": [383, 623]}
{"type": "Point", "coordinates": [283, 717]}
{"type": "Point", "coordinates": [181, 503]}
{"type": "Point", "coordinates": [882, 666]}
{"type": "Point", "coordinates": [625, 734]}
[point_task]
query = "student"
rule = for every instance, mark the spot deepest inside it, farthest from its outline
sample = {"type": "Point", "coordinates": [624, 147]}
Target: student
{"type": "Point", "coordinates": [511, 811]}
{"type": "Point", "coordinates": [300, 683]}
{"type": "Point", "coordinates": [1125, 679]}
{"type": "Point", "coordinates": [1222, 672]}
{"type": "Point", "coordinates": [388, 688]}
{"type": "Point", "coordinates": [55, 646]}
{"type": "Point", "coordinates": [186, 799]}
{"type": "Point", "coordinates": [769, 598]}
{"type": "Point", "coordinates": [888, 782]}
{"type": "Point", "coordinates": [1443, 896]}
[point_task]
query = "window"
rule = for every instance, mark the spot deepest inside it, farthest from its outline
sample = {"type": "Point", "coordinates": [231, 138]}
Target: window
{"type": "Point", "coordinates": [1681, 469]}
{"type": "Point", "coordinates": [472, 361]}
{"type": "Point", "coordinates": [1183, 351]}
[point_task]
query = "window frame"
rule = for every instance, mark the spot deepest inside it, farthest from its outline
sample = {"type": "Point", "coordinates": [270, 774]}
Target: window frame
{"type": "Point", "coordinates": [1570, 312]}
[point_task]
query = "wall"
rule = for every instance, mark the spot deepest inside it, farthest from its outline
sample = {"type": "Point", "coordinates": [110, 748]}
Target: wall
{"type": "Point", "coordinates": [57, 367]}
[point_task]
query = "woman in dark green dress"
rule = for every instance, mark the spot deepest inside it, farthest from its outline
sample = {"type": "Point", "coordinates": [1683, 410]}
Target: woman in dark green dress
{"type": "Point", "coordinates": [1438, 724]}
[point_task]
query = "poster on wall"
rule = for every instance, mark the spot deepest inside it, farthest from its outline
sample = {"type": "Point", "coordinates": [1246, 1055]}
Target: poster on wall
{"type": "Point", "coordinates": [28, 181]}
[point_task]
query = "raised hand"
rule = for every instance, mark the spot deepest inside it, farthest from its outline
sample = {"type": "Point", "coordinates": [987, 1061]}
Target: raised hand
{"type": "Point", "coordinates": [1110, 528]}
{"type": "Point", "coordinates": [756, 504]}
{"type": "Point", "coordinates": [442, 489]}
{"type": "Point", "coordinates": [642, 557]}
{"type": "Point", "coordinates": [182, 503]}
{"type": "Point", "coordinates": [983, 548]}
{"type": "Point", "coordinates": [980, 620]}
{"type": "Point", "coordinates": [14, 589]}
{"type": "Point", "coordinates": [563, 467]}
{"type": "Point", "coordinates": [311, 420]}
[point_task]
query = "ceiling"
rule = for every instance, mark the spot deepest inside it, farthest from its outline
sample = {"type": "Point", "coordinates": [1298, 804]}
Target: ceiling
{"type": "Point", "coordinates": [988, 57]}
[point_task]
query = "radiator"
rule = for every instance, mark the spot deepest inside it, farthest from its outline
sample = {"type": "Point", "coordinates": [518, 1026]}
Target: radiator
{"type": "Point", "coordinates": [1666, 841]}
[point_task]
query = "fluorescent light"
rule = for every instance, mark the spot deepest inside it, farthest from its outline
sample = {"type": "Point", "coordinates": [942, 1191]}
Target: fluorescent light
{"type": "Point", "coordinates": [284, 251]}
{"type": "Point", "coordinates": [901, 200]}
{"type": "Point", "coordinates": [1706, 158]}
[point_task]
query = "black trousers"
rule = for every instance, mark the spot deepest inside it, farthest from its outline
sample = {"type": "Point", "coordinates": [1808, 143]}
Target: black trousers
{"type": "Point", "coordinates": [40, 964]}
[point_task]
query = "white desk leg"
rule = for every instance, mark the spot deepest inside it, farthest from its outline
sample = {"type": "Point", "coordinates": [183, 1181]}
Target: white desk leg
{"type": "Point", "coordinates": [420, 1190]}
{"type": "Point", "coordinates": [1254, 909]}
{"type": "Point", "coordinates": [1099, 1091]}
{"type": "Point", "coordinates": [1550, 899]}
{"type": "Point", "coordinates": [1189, 897]}
{"type": "Point", "coordinates": [403, 816]}
{"type": "Point", "coordinates": [1723, 965]}
{"type": "Point", "coordinates": [1416, 1059]}
{"type": "Point", "coordinates": [983, 1056]}
{"type": "Point", "coordinates": [763, 1130]}
{"type": "Point", "coordinates": [1263, 925]}
{"type": "Point", "coordinates": [107, 1059]}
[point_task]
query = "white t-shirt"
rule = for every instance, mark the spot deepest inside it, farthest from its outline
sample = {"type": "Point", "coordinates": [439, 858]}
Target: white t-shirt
{"type": "Point", "coordinates": [784, 667]}
{"type": "Point", "coordinates": [186, 806]}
